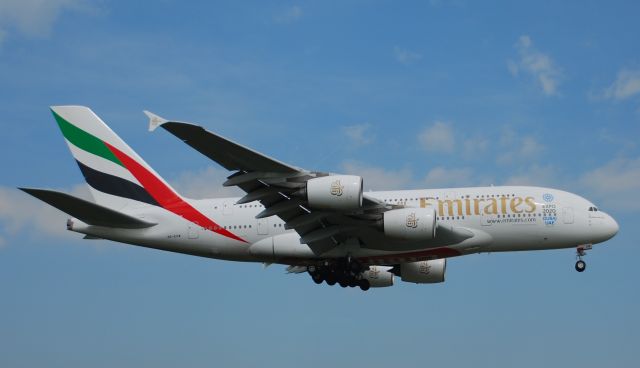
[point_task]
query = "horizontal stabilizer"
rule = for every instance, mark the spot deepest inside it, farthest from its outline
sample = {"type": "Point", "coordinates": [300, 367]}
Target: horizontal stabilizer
{"type": "Point", "coordinates": [88, 212]}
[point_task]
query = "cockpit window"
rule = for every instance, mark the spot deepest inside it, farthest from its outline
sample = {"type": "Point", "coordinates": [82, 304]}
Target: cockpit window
{"type": "Point", "coordinates": [593, 209]}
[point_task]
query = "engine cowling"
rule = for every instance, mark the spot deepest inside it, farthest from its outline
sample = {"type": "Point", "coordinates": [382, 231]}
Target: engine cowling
{"type": "Point", "coordinates": [378, 276]}
{"type": "Point", "coordinates": [424, 272]}
{"type": "Point", "coordinates": [410, 223]}
{"type": "Point", "coordinates": [335, 192]}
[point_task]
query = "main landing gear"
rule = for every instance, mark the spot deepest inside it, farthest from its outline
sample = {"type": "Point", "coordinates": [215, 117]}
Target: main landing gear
{"type": "Point", "coordinates": [581, 252]}
{"type": "Point", "coordinates": [346, 273]}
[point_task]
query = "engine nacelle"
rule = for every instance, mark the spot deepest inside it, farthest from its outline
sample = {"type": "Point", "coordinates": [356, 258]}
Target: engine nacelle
{"type": "Point", "coordinates": [378, 276]}
{"type": "Point", "coordinates": [410, 223]}
{"type": "Point", "coordinates": [335, 192]}
{"type": "Point", "coordinates": [424, 272]}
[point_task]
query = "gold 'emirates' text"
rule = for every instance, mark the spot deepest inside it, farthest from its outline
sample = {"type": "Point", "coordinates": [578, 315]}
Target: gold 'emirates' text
{"type": "Point", "coordinates": [478, 206]}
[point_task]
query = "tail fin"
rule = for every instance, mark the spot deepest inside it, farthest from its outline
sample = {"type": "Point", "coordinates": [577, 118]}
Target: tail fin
{"type": "Point", "coordinates": [116, 175]}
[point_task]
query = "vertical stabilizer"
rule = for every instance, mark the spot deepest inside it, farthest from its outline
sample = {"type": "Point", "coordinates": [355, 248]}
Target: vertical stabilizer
{"type": "Point", "coordinates": [116, 175]}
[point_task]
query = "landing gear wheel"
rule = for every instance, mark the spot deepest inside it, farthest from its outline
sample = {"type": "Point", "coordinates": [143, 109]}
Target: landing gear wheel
{"type": "Point", "coordinates": [364, 284]}
{"type": "Point", "coordinates": [317, 278]}
{"type": "Point", "coordinates": [355, 267]}
{"type": "Point", "coordinates": [581, 252]}
{"type": "Point", "coordinates": [331, 279]}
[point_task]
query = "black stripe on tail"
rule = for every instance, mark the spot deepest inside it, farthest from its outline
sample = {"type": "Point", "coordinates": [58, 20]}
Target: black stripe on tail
{"type": "Point", "coordinates": [114, 185]}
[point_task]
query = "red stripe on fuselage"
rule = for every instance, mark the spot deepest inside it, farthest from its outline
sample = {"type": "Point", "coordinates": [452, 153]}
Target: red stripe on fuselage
{"type": "Point", "coordinates": [166, 197]}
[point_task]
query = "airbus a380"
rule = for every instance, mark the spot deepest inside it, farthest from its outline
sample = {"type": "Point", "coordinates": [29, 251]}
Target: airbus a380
{"type": "Point", "coordinates": [319, 223]}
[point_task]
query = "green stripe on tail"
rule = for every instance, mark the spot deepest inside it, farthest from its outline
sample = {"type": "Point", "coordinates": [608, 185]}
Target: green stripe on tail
{"type": "Point", "coordinates": [84, 140]}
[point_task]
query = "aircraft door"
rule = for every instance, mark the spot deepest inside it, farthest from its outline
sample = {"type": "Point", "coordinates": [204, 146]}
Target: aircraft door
{"type": "Point", "coordinates": [263, 226]}
{"type": "Point", "coordinates": [193, 232]}
{"type": "Point", "coordinates": [567, 215]}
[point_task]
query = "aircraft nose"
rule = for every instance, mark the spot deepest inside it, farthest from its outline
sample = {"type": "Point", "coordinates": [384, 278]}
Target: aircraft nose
{"type": "Point", "coordinates": [610, 227]}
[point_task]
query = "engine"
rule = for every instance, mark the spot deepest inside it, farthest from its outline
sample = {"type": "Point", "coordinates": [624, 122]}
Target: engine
{"type": "Point", "coordinates": [335, 192]}
{"type": "Point", "coordinates": [410, 223]}
{"type": "Point", "coordinates": [423, 272]}
{"type": "Point", "coordinates": [378, 276]}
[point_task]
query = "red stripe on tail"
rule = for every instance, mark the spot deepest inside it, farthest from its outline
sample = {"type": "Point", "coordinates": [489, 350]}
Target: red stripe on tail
{"type": "Point", "coordinates": [166, 197]}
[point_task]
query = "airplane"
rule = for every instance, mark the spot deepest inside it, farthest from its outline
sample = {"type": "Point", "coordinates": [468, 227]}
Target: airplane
{"type": "Point", "coordinates": [319, 223]}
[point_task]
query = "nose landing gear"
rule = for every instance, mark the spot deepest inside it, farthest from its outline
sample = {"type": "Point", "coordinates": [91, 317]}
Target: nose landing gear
{"type": "Point", "coordinates": [581, 252]}
{"type": "Point", "coordinates": [581, 266]}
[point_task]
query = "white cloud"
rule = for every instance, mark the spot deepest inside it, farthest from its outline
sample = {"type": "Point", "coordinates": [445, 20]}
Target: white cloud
{"type": "Point", "coordinates": [518, 148]}
{"type": "Point", "coordinates": [405, 56]}
{"type": "Point", "coordinates": [530, 147]}
{"type": "Point", "coordinates": [626, 85]}
{"type": "Point", "coordinates": [377, 178]}
{"type": "Point", "coordinates": [537, 64]}
{"type": "Point", "coordinates": [441, 137]}
{"type": "Point", "coordinates": [475, 146]}
{"type": "Point", "coordinates": [440, 177]}
{"type": "Point", "coordinates": [289, 15]}
{"type": "Point", "coordinates": [34, 18]}
{"type": "Point", "coordinates": [438, 137]}
{"type": "Point", "coordinates": [513, 67]}
{"type": "Point", "coordinates": [358, 134]}
{"type": "Point", "coordinates": [615, 184]}
{"type": "Point", "coordinates": [205, 183]}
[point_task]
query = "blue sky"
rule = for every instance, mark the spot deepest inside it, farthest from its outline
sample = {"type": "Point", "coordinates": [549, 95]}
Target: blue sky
{"type": "Point", "coordinates": [409, 95]}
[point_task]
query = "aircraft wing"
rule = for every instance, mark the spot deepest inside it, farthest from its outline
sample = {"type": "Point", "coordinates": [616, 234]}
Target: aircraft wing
{"type": "Point", "coordinates": [230, 155]}
{"type": "Point", "coordinates": [277, 185]}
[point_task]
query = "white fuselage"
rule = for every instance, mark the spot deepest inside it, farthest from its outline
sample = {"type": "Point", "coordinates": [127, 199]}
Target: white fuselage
{"type": "Point", "coordinates": [500, 218]}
